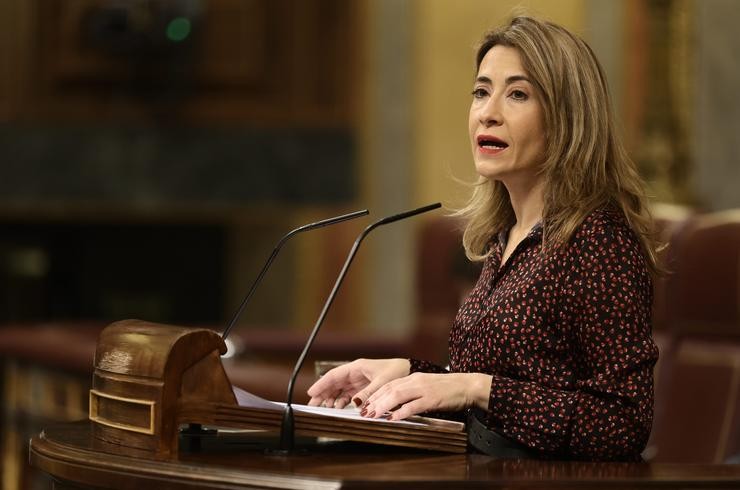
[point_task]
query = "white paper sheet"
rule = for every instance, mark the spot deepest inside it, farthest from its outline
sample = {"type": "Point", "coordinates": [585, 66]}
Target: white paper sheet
{"type": "Point", "coordinates": [246, 399]}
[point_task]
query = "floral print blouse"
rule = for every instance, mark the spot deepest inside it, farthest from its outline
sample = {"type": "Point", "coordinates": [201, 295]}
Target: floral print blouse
{"type": "Point", "coordinates": [566, 335]}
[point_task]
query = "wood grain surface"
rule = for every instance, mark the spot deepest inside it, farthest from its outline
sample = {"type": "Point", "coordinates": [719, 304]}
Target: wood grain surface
{"type": "Point", "coordinates": [67, 453]}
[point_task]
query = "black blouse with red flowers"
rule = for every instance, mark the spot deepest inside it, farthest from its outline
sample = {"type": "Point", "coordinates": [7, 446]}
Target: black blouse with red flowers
{"type": "Point", "coordinates": [566, 335]}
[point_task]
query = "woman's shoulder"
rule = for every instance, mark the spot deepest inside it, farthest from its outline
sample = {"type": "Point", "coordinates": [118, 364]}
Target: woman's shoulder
{"type": "Point", "coordinates": [605, 227]}
{"type": "Point", "coordinates": [604, 219]}
{"type": "Point", "coordinates": [605, 248]}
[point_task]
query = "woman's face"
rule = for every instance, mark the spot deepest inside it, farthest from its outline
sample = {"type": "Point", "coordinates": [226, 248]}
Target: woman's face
{"type": "Point", "coordinates": [506, 120]}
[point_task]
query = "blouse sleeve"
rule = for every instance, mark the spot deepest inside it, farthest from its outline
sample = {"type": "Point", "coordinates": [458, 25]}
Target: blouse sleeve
{"type": "Point", "coordinates": [419, 366]}
{"type": "Point", "coordinates": [606, 300]}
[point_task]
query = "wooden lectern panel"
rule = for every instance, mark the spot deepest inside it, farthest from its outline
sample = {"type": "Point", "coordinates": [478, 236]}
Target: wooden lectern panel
{"type": "Point", "coordinates": [143, 372]}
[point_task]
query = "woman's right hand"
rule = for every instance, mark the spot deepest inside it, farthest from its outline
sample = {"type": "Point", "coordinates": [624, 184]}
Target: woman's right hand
{"type": "Point", "coordinates": [356, 381]}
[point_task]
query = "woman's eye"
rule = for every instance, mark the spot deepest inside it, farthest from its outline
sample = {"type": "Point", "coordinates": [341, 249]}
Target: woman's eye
{"type": "Point", "coordinates": [479, 93]}
{"type": "Point", "coordinates": [518, 95]}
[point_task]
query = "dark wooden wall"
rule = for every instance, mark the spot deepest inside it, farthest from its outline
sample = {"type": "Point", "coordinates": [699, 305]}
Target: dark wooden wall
{"type": "Point", "coordinates": [108, 126]}
{"type": "Point", "coordinates": [278, 62]}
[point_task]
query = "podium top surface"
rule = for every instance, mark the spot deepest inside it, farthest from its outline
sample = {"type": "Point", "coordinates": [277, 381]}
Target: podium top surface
{"type": "Point", "coordinates": [68, 453]}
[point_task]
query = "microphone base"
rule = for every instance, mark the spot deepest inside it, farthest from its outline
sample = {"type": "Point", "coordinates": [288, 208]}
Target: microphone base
{"type": "Point", "coordinates": [287, 429]}
{"type": "Point", "coordinates": [192, 436]}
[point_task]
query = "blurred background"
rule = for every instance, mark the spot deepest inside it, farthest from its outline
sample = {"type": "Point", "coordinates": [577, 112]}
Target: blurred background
{"type": "Point", "coordinates": [153, 151]}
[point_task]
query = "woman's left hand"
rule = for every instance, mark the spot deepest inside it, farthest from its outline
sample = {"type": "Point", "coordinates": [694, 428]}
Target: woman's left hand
{"type": "Point", "coordinates": [424, 392]}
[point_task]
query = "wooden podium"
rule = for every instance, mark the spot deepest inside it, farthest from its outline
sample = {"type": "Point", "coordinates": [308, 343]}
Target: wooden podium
{"type": "Point", "coordinates": [68, 455]}
{"type": "Point", "coordinates": [150, 379]}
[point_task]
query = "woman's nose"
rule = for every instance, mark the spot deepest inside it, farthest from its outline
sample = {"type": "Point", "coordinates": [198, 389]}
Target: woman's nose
{"type": "Point", "coordinates": [490, 114]}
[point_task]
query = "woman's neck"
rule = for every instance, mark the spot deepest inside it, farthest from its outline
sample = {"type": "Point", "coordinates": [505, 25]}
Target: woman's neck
{"type": "Point", "coordinates": [527, 201]}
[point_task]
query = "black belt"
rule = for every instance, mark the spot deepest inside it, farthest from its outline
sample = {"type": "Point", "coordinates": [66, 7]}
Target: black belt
{"type": "Point", "coordinates": [492, 443]}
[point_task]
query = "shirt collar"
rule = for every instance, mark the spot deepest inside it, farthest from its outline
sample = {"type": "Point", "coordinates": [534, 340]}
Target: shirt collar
{"type": "Point", "coordinates": [503, 235]}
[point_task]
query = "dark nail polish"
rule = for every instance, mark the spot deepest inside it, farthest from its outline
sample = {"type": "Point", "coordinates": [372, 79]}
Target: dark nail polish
{"type": "Point", "coordinates": [357, 401]}
{"type": "Point", "coordinates": [363, 412]}
{"type": "Point", "coordinates": [372, 414]}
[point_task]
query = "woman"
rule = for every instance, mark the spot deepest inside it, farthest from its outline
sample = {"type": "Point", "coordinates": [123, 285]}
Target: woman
{"type": "Point", "coordinates": [553, 345]}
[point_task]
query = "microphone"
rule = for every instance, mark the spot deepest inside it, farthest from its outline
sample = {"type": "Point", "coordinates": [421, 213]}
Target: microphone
{"type": "Point", "coordinates": [287, 429]}
{"type": "Point", "coordinates": [196, 430]}
{"type": "Point", "coordinates": [300, 229]}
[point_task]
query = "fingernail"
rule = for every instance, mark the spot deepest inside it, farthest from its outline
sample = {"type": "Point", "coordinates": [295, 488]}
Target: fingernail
{"type": "Point", "coordinates": [357, 401]}
{"type": "Point", "coordinates": [363, 412]}
{"type": "Point", "coordinates": [372, 414]}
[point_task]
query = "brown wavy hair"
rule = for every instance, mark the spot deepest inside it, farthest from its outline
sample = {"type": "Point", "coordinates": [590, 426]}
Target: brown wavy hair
{"type": "Point", "coordinates": [586, 166]}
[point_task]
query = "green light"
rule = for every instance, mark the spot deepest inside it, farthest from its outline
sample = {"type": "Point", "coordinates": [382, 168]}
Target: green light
{"type": "Point", "coordinates": [178, 29]}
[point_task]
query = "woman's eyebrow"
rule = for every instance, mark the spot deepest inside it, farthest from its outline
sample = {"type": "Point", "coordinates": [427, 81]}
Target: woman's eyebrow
{"type": "Point", "coordinates": [517, 78]}
{"type": "Point", "coordinates": [508, 81]}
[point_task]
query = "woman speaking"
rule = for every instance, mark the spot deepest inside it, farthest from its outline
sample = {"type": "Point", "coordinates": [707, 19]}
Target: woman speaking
{"type": "Point", "coordinates": [551, 354]}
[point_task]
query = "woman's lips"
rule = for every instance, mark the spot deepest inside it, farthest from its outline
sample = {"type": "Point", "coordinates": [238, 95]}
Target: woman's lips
{"type": "Point", "coordinates": [490, 145]}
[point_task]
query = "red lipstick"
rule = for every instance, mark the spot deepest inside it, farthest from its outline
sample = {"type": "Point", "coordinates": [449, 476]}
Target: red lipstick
{"type": "Point", "coordinates": [490, 144]}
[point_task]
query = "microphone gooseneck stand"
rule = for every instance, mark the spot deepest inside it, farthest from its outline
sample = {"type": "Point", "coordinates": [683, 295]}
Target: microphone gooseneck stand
{"type": "Point", "coordinates": [193, 432]}
{"type": "Point", "coordinates": [287, 429]}
{"type": "Point", "coordinates": [290, 234]}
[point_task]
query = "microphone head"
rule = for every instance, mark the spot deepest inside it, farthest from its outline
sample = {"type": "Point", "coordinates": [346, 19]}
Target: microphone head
{"type": "Point", "coordinates": [408, 214]}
